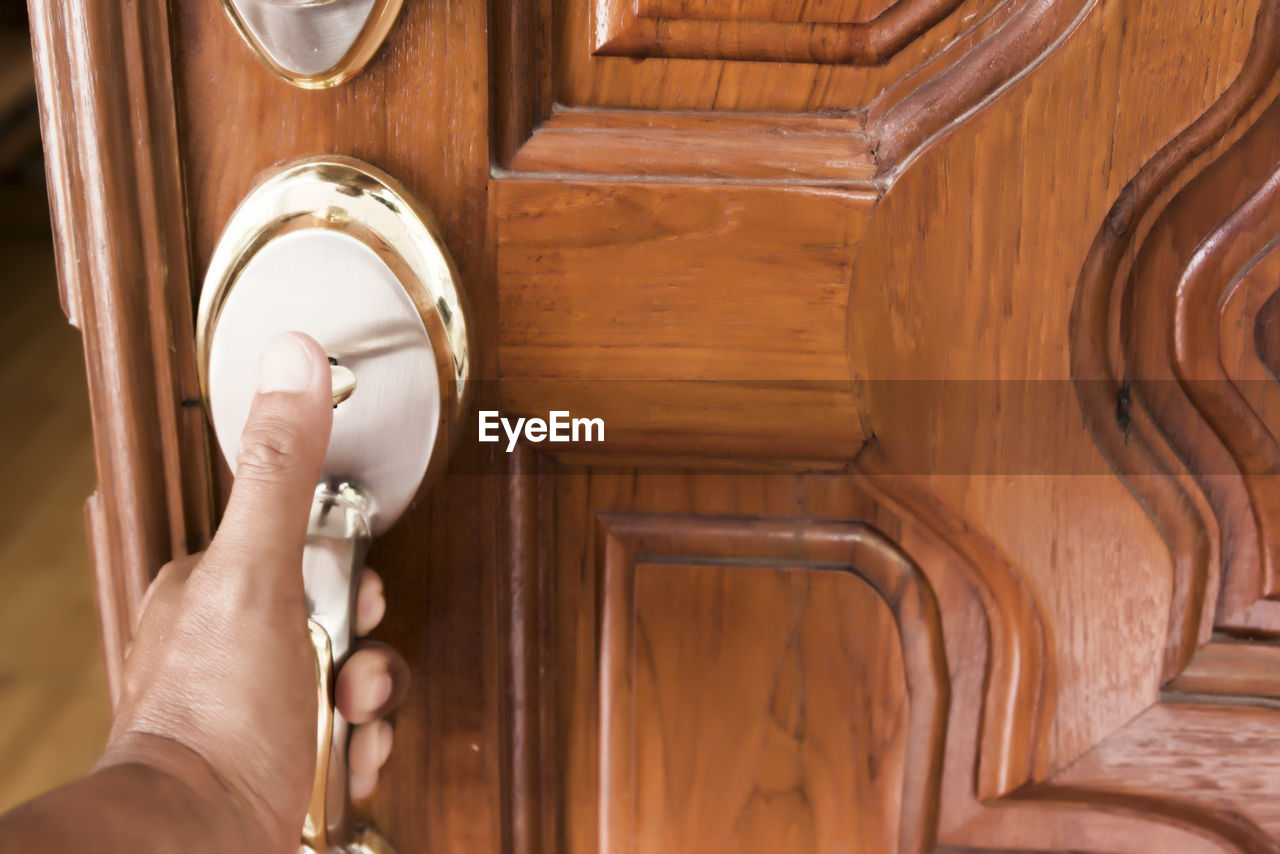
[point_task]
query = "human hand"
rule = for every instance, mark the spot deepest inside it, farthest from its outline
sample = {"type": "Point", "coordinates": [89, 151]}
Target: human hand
{"type": "Point", "coordinates": [219, 688]}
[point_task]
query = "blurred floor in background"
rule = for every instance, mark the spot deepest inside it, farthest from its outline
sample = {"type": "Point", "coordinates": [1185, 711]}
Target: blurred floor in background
{"type": "Point", "coordinates": [53, 706]}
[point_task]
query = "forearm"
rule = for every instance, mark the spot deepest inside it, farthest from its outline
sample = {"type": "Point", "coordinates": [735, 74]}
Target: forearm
{"type": "Point", "coordinates": [132, 808]}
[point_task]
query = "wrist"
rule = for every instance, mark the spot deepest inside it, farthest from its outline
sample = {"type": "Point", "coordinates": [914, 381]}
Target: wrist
{"type": "Point", "coordinates": [129, 808]}
{"type": "Point", "coordinates": [180, 800]}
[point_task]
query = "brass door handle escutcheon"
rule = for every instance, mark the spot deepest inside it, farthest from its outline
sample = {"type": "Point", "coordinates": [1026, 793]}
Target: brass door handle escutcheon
{"type": "Point", "coordinates": [339, 250]}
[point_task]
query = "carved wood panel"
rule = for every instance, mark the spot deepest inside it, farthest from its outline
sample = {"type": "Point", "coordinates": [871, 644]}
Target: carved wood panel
{"type": "Point", "coordinates": [725, 753]}
{"type": "Point", "coordinates": [722, 727]}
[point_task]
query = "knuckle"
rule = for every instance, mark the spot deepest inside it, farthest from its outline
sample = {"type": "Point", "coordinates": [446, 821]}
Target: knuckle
{"type": "Point", "coordinates": [172, 576]}
{"type": "Point", "coordinates": [178, 568]}
{"type": "Point", "coordinates": [267, 448]}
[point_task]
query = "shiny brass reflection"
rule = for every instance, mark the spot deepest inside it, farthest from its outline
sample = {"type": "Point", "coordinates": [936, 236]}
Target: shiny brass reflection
{"type": "Point", "coordinates": [315, 830]}
{"type": "Point", "coordinates": [350, 196]}
{"type": "Point", "coordinates": [313, 44]}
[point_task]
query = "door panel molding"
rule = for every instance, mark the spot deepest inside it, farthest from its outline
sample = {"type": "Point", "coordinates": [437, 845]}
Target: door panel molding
{"type": "Point", "coordinates": [105, 86]}
{"type": "Point", "coordinates": [747, 148]}
{"type": "Point", "coordinates": [1151, 411]}
{"type": "Point", "coordinates": [1077, 818]}
{"type": "Point", "coordinates": [962, 55]}
{"type": "Point", "coordinates": [1017, 707]}
{"type": "Point", "coordinates": [581, 534]}
{"type": "Point", "coordinates": [633, 548]}
{"type": "Point", "coordinates": [724, 32]}
{"type": "Point", "coordinates": [1233, 460]}
{"type": "Point", "coordinates": [580, 665]}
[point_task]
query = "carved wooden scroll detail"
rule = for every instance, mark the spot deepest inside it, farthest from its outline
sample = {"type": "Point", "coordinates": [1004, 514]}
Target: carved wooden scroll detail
{"type": "Point", "coordinates": [1148, 338]}
{"type": "Point", "coordinates": [1195, 291]}
{"type": "Point", "coordinates": [1222, 273]}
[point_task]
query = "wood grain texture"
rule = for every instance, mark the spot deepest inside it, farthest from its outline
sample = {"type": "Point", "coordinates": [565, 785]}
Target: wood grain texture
{"type": "Point", "coordinates": [1072, 576]}
{"type": "Point", "coordinates": [1228, 260]}
{"type": "Point", "coordinates": [1082, 546]}
{"type": "Point", "coordinates": [1016, 710]}
{"type": "Point", "coordinates": [712, 315]}
{"type": "Point", "coordinates": [935, 76]}
{"type": "Point", "coordinates": [818, 11]}
{"type": "Point", "coordinates": [748, 148]}
{"type": "Point", "coordinates": [900, 107]}
{"type": "Point", "coordinates": [645, 787]}
{"type": "Point", "coordinates": [108, 120]}
{"type": "Point", "coordinates": [1231, 669]}
{"type": "Point", "coordinates": [1069, 818]}
{"type": "Point", "coordinates": [711, 749]}
{"type": "Point", "coordinates": [525, 628]}
{"type": "Point", "coordinates": [1187, 399]}
{"type": "Point", "coordinates": [1203, 768]}
{"type": "Point", "coordinates": [584, 77]}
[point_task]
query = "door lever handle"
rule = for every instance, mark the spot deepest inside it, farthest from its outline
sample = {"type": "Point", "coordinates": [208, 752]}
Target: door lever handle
{"type": "Point", "coordinates": [337, 541]}
{"type": "Point", "coordinates": [339, 250]}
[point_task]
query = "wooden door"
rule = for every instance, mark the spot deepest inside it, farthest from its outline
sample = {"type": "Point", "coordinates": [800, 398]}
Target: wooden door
{"type": "Point", "coordinates": [936, 344]}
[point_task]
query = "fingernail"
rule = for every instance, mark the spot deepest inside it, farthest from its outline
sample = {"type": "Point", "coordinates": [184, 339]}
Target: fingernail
{"type": "Point", "coordinates": [378, 692]}
{"type": "Point", "coordinates": [285, 366]}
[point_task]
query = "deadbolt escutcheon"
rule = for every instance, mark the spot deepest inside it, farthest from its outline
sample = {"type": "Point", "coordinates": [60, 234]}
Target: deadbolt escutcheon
{"type": "Point", "coordinates": [313, 44]}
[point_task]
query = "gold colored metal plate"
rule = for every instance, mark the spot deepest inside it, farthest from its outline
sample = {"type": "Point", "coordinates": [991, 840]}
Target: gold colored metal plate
{"type": "Point", "coordinates": [313, 44]}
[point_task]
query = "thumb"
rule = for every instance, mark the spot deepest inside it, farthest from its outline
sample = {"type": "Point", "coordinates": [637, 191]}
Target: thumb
{"type": "Point", "coordinates": [281, 451]}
